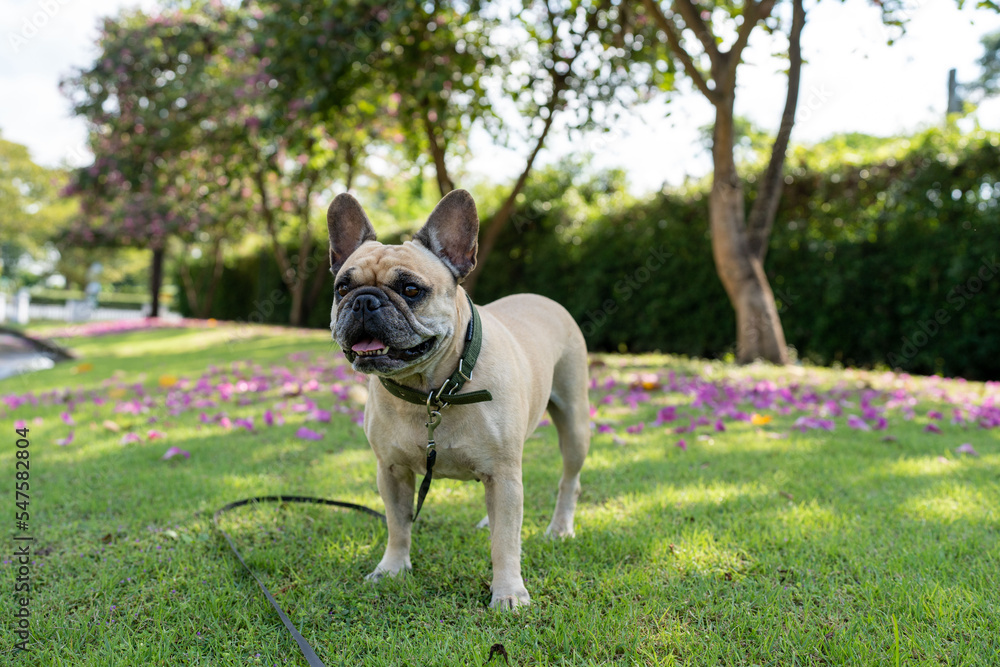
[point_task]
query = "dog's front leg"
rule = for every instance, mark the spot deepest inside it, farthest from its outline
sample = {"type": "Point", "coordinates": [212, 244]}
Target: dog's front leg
{"type": "Point", "coordinates": [395, 485]}
{"type": "Point", "coordinates": [505, 507]}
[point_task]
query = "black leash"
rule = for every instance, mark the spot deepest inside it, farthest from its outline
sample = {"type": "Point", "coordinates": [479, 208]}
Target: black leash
{"type": "Point", "coordinates": [307, 651]}
{"type": "Point", "coordinates": [435, 401]}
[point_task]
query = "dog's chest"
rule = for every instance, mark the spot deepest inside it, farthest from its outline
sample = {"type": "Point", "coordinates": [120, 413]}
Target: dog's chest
{"type": "Point", "coordinates": [461, 454]}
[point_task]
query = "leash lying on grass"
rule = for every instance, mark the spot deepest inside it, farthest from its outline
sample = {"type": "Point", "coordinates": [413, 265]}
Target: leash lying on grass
{"type": "Point", "coordinates": [307, 650]}
{"type": "Point", "coordinates": [435, 401]}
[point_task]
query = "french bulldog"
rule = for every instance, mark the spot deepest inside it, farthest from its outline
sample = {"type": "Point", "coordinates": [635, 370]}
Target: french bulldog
{"type": "Point", "coordinates": [400, 312]}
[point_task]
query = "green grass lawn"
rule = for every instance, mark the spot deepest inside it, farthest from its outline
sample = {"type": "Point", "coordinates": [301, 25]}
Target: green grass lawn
{"type": "Point", "coordinates": [758, 545]}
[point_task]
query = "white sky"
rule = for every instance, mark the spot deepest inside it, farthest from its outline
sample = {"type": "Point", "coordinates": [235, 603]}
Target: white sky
{"type": "Point", "coordinates": [851, 82]}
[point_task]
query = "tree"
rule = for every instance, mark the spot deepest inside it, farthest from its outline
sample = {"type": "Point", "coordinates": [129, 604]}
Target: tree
{"type": "Point", "coordinates": [988, 82]}
{"type": "Point", "coordinates": [31, 211]}
{"type": "Point", "coordinates": [428, 66]}
{"type": "Point", "coordinates": [739, 241]}
{"type": "Point", "coordinates": [153, 176]}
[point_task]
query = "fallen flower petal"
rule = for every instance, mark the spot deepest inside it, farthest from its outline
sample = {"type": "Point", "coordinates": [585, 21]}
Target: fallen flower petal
{"type": "Point", "coordinates": [175, 451]}
{"type": "Point", "coordinates": [67, 440]}
{"type": "Point", "coordinates": [858, 423]}
{"type": "Point", "coordinates": [682, 444]}
{"type": "Point", "coordinates": [966, 448]}
{"type": "Point", "coordinates": [932, 428]}
{"type": "Point", "coordinates": [308, 434]}
{"type": "Point", "coordinates": [129, 438]}
{"type": "Point", "coordinates": [324, 416]}
{"type": "Point", "coordinates": [153, 434]}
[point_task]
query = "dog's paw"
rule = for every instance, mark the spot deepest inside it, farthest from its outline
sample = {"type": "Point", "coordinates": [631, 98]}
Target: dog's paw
{"type": "Point", "coordinates": [382, 572]}
{"type": "Point", "coordinates": [560, 530]}
{"type": "Point", "coordinates": [510, 601]}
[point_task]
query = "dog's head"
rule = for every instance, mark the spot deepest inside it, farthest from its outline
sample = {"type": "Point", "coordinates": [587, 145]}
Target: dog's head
{"type": "Point", "coordinates": [395, 308]}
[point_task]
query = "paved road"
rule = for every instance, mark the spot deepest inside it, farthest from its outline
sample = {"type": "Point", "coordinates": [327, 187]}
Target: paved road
{"type": "Point", "coordinates": [19, 355]}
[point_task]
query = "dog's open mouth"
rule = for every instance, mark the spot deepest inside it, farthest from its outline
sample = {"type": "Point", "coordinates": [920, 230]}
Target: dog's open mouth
{"type": "Point", "coordinates": [373, 347]}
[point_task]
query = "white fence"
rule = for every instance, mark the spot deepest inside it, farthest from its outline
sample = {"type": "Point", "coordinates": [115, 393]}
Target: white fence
{"type": "Point", "coordinates": [19, 309]}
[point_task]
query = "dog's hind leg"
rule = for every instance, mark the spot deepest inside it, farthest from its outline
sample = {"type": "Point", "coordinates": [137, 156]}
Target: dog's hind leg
{"type": "Point", "coordinates": [569, 408]}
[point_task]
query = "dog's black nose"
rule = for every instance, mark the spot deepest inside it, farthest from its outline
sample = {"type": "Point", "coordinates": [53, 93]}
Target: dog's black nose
{"type": "Point", "coordinates": [369, 302]}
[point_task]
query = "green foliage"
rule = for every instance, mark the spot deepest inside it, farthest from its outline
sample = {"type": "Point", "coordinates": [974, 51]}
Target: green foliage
{"type": "Point", "coordinates": [863, 257]}
{"type": "Point", "coordinates": [31, 211]}
{"type": "Point", "coordinates": [873, 238]}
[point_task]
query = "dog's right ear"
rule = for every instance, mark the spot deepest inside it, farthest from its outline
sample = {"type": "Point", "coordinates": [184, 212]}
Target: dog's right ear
{"type": "Point", "coordinates": [349, 227]}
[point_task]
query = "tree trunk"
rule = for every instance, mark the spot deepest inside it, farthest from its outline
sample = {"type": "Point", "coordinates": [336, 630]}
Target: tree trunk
{"type": "Point", "coordinates": [502, 216]}
{"type": "Point", "coordinates": [445, 184]}
{"type": "Point", "coordinates": [156, 282]}
{"type": "Point", "coordinates": [213, 284]}
{"type": "Point", "coordinates": [758, 329]}
{"type": "Point", "coordinates": [765, 207]}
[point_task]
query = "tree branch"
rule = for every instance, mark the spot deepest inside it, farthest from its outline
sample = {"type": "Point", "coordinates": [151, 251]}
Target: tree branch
{"type": "Point", "coordinates": [269, 222]}
{"type": "Point", "coordinates": [754, 12]}
{"type": "Point", "coordinates": [445, 184]}
{"type": "Point", "coordinates": [692, 19]}
{"type": "Point", "coordinates": [674, 40]}
{"type": "Point", "coordinates": [765, 207]}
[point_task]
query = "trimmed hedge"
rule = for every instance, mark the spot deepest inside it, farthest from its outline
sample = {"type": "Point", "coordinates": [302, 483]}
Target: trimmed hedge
{"type": "Point", "coordinates": [889, 263]}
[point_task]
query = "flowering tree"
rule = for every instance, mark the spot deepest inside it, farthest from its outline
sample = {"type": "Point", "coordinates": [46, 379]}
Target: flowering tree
{"type": "Point", "coordinates": [195, 139]}
{"type": "Point", "coordinates": [154, 175]}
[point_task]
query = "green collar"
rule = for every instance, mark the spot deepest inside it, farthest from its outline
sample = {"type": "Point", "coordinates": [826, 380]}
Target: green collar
{"type": "Point", "coordinates": [446, 393]}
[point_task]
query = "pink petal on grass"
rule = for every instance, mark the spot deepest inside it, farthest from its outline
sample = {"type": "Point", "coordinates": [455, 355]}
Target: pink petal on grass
{"type": "Point", "coordinates": [682, 445]}
{"type": "Point", "coordinates": [932, 428]}
{"type": "Point", "coordinates": [243, 423]}
{"type": "Point", "coordinates": [966, 448]}
{"type": "Point", "coordinates": [269, 418]}
{"type": "Point", "coordinates": [67, 440]}
{"type": "Point", "coordinates": [882, 424]}
{"type": "Point", "coordinates": [153, 434]}
{"type": "Point", "coordinates": [934, 414]}
{"type": "Point", "coordinates": [719, 426]}
{"type": "Point", "coordinates": [20, 424]}
{"type": "Point", "coordinates": [308, 434]}
{"type": "Point", "coordinates": [605, 428]}
{"type": "Point", "coordinates": [320, 416]}
{"type": "Point", "coordinates": [857, 423]}
{"type": "Point", "coordinates": [129, 438]}
{"type": "Point", "coordinates": [175, 451]}
{"type": "Point", "coordinates": [637, 428]}
{"type": "Point", "coordinates": [68, 418]}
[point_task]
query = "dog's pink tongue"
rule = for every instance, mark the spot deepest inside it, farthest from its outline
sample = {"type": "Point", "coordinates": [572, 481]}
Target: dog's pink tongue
{"type": "Point", "coordinates": [368, 345]}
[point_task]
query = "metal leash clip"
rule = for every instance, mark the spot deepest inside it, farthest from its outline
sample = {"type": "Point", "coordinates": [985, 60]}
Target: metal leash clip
{"type": "Point", "coordinates": [433, 420]}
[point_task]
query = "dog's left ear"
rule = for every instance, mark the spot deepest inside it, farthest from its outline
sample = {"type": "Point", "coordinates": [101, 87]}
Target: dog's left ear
{"type": "Point", "coordinates": [452, 233]}
{"type": "Point", "coordinates": [349, 228]}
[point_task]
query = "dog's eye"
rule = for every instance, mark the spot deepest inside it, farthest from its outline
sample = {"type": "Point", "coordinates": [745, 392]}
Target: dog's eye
{"type": "Point", "coordinates": [411, 290]}
{"type": "Point", "coordinates": [343, 290]}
